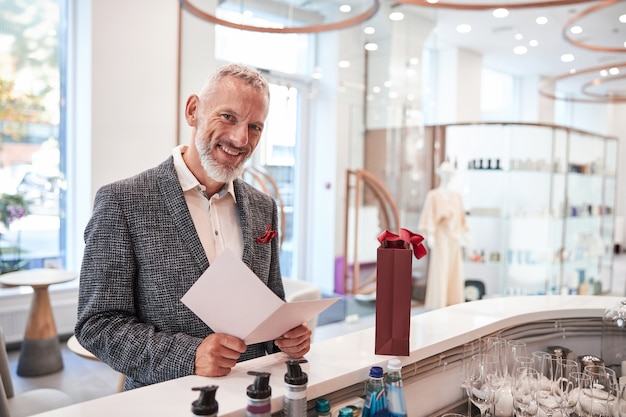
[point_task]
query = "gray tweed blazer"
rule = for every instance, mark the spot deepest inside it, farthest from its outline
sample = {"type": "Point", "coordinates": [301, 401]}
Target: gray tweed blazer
{"type": "Point", "coordinates": [142, 254]}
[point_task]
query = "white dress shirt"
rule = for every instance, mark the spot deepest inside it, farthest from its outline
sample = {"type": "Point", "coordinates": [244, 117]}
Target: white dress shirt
{"type": "Point", "coordinates": [215, 217]}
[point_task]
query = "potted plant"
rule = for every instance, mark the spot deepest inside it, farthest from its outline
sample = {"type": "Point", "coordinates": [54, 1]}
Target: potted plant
{"type": "Point", "coordinates": [12, 207]}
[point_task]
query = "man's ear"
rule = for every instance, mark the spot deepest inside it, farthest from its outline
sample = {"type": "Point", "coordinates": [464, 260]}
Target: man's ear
{"type": "Point", "coordinates": [191, 110]}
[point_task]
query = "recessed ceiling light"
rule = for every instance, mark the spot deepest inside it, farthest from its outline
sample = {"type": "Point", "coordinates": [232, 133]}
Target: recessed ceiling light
{"type": "Point", "coordinates": [576, 30]}
{"type": "Point", "coordinates": [387, 83]}
{"type": "Point", "coordinates": [432, 1]}
{"type": "Point", "coordinates": [396, 16]}
{"type": "Point", "coordinates": [371, 46]}
{"type": "Point", "coordinates": [369, 30]}
{"type": "Point", "coordinates": [533, 42]}
{"type": "Point", "coordinates": [393, 94]}
{"type": "Point", "coordinates": [500, 13]}
{"type": "Point", "coordinates": [604, 73]}
{"type": "Point", "coordinates": [572, 71]}
{"type": "Point", "coordinates": [567, 58]}
{"type": "Point", "coordinates": [518, 36]}
{"type": "Point", "coordinates": [541, 20]}
{"type": "Point", "coordinates": [344, 64]}
{"type": "Point", "coordinates": [345, 8]}
{"type": "Point", "coordinates": [464, 28]}
{"type": "Point", "coordinates": [376, 89]}
{"type": "Point", "coordinates": [414, 61]}
{"type": "Point", "coordinates": [614, 71]}
{"type": "Point", "coordinates": [622, 18]}
{"type": "Point", "coordinates": [520, 50]}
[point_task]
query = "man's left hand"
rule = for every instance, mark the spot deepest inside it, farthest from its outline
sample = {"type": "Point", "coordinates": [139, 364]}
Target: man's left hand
{"type": "Point", "coordinates": [296, 342]}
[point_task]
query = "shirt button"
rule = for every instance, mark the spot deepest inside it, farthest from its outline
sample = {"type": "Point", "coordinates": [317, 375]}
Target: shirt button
{"type": "Point", "coordinates": [216, 233]}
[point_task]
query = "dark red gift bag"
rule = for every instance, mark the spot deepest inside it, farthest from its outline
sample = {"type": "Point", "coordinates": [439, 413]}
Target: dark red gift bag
{"type": "Point", "coordinates": [394, 284]}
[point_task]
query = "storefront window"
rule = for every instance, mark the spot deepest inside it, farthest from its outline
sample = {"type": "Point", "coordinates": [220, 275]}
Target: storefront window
{"type": "Point", "coordinates": [31, 178]}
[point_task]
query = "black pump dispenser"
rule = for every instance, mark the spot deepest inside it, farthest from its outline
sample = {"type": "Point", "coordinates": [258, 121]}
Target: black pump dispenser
{"type": "Point", "coordinates": [294, 375]}
{"type": "Point", "coordinates": [260, 389]}
{"type": "Point", "coordinates": [205, 405]}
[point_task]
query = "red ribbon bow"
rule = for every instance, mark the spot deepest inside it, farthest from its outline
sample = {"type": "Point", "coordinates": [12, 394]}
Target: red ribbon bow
{"type": "Point", "coordinates": [407, 236]}
{"type": "Point", "coordinates": [268, 235]}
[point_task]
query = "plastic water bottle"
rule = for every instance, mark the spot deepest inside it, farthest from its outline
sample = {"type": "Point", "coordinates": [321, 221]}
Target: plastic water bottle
{"type": "Point", "coordinates": [375, 397]}
{"type": "Point", "coordinates": [394, 389]}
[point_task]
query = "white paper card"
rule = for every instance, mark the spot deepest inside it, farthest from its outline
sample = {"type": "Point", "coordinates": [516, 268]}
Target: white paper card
{"type": "Point", "coordinates": [231, 299]}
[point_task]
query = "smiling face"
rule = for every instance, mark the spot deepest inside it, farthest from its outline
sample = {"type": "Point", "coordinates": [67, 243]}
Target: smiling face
{"type": "Point", "coordinates": [227, 119]}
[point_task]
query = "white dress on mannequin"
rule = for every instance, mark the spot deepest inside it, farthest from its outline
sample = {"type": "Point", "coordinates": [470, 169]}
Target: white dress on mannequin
{"type": "Point", "coordinates": [443, 224]}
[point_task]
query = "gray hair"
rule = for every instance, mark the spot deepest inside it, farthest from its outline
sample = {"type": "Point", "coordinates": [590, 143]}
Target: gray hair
{"type": "Point", "coordinates": [249, 75]}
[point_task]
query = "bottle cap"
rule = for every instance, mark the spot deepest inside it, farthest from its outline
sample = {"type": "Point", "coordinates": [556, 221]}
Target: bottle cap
{"type": "Point", "coordinates": [206, 404]}
{"type": "Point", "coordinates": [294, 375]}
{"type": "Point", "coordinates": [394, 365]}
{"type": "Point", "coordinates": [346, 412]}
{"type": "Point", "coordinates": [260, 389]}
{"type": "Point", "coordinates": [376, 372]}
{"type": "Point", "coordinates": [322, 405]}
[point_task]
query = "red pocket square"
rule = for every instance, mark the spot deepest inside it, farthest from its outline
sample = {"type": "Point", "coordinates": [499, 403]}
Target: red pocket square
{"type": "Point", "coordinates": [268, 235]}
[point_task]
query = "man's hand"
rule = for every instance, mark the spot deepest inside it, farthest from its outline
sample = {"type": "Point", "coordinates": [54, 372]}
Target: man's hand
{"type": "Point", "coordinates": [296, 342]}
{"type": "Point", "coordinates": [217, 354]}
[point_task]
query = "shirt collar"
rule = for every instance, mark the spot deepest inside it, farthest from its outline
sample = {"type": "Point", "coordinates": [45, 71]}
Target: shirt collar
{"type": "Point", "coordinates": [186, 178]}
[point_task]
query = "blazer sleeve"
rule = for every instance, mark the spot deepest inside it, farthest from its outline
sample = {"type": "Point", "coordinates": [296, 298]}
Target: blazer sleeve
{"type": "Point", "coordinates": [108, 322]}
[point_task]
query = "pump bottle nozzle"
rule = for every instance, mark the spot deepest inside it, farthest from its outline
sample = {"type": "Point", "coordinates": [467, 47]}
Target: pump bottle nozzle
{"type": "Point", "coordinates": [206, 404]}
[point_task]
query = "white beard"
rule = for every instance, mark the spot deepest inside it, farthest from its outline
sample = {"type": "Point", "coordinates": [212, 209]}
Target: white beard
{"type": "Point", "coordinates": [213, 168]}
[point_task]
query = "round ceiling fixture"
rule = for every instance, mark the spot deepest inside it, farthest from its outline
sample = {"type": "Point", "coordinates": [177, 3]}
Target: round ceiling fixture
{"type": "Point", "coordinates": [313, 28]}
{"type": "Point", "coordinates": [601, 7]}
{"type": "Point", "coordinates": [589, 83]}
{"type": "Point", "coordinates": [496, 4]}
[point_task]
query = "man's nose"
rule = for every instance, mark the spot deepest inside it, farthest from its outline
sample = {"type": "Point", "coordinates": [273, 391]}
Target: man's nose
{"type": "Point", "coordinates": [240, 134]}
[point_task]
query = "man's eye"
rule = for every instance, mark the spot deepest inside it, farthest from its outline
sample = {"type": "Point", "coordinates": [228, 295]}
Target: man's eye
{"type": "Point", "coordinates": [255, 127]}
{"type": "Point", "coordinates": [227, 116]}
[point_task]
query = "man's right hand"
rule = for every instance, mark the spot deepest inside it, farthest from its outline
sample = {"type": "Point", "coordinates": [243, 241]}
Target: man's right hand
{"type": "Point", "coordinates": [217, 354]}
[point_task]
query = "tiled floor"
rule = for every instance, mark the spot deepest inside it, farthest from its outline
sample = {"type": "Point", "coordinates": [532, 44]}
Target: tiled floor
{"type": "Point", "coordinates": [85, 379]}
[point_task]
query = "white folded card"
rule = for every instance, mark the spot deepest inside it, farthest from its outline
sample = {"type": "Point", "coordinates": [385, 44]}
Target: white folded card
{"type": "Point", "coordinates": [231, 299]}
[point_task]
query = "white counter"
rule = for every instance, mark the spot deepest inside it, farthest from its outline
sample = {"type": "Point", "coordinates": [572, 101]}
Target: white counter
{"type": "Point", "coordinates": [344, 361]}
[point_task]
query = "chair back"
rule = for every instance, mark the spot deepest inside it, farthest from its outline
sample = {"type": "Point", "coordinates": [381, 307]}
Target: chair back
{"type": "Point", "coordinates": [6, 385]}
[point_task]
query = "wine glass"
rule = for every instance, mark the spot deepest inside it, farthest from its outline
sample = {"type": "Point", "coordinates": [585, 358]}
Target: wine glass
{"type": "Point", "coordinates": [601, 399]}
{"type": "Point", "coordinates": [469, 349]}
{"type": "Point", "coordinates": [548, 394]}
{"type": "Point", "coordinates": [525, 386]}
{"type": "Point", "coordinates": [576, 383]}
{"type": "Point", "coordinates": [483, 381]}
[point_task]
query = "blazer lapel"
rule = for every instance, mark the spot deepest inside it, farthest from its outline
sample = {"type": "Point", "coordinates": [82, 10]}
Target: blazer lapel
{"type": "Point", "coordinates": [177, 206]}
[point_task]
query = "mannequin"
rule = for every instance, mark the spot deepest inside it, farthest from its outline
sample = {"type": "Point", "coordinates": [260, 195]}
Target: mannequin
{"type": "Point", "coordinates": [443, 223]}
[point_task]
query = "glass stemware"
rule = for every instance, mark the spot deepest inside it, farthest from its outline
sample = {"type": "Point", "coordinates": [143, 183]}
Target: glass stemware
{"type": "Point", "coordinates": [577, 382]}
{"type": "Point", "coordinates": [469, 349]}
{"type": "Point", "coordinates": [601, 399]}
{"type": "Point", "coordinates": [483, 381]}
{"type": "Point", "coordinates": [524, 391]}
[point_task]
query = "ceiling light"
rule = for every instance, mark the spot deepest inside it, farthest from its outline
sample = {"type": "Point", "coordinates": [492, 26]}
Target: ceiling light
{"type": "Point", "coordinates": [567, 58]}
{"type": "Point", "coordinates": [344, 64]}
{"type": "Point", "coordinates": [371, 46]}
{"type": "Point", "coordinates": [376, 89]}
{"type": "Point", "coordinates": [345, 8]}
{"type": "Point", "coordinates": [604, 73]}
{"type": "Point", "coordinates": [622, 18]}
{"type": "Point", "coordinates": [393, 94]}
{"type": "Point", "coordinates": [520, 50]}
{"type": "Point", "coordinates": [572, 71]}
{"type": "Point", "coordinates": [369, 30]}
{"type": "Point", "coordinates": [414, 61]}
{"type": "Point", "coordinates": [500, 13]}
{"type": "Point", "coordinates": [614, 71]}
{"type": "Point", "coordinates": [576, 30]}
{"type": "Point", "coordinates": [464, 28]}
{"type": "Point", "coordinates": [396, 16]}
{"type": "Point", "coordinates": [518, 37]}
{"type": "Point", "coordinates": [387, 84]}
{"type": "Point", "coordinates": [432, 1]}
{"type": "Point", "coordinates": [541, 20]}
{"type": "Point", "coordinates": [533, 42]}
